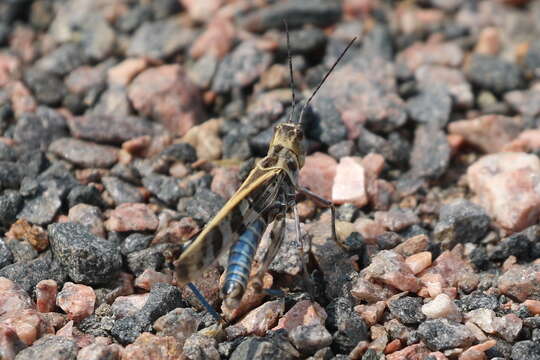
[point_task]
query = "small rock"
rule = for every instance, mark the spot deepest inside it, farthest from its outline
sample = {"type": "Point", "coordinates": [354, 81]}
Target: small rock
{"type": "Point", "coordinates": [13, 298]}
{"type": "Point", "coordinates": [204, 138]}
{"type": "Point", "coordinates": [121, 191]}
{"type": "Point", "coordinates": [452, 80]}
{"type": "Point", "coordinates": [87, 258]}
{"type": "Point", "coordinates": [179, 323]}
{"type": "Point", "coordinates": [199, 346]}
{"type": "Point", "coordinates": [494, 74]}
{"type": "Point", "coordinates": [40, 128]}
{"type": "Point", "coordinates": [34, 235]}
{"type": "Point", "coordinates": [77, 300]}
{"type": "Point", "coordinates": [10, 204]}
{"type": "Point", "coordinates": [84, 154]}
{"type": "Point", "coordinates": [109, 128]}
{"type": "Point", "coordinates": [46, 291]}
{"type": "Point", "coordinates": [489, 41]}
{"type": "Point", "coordinates": [525, 102]}
{"type": "Point", "coordinates": [431, 53]}
{"type": "Point", "coordinates": [124, 306]}
{"type": "Point", "coordinates": [430, 155]}
{"type": "Point", "coordinates": [396, 219]}
{"type": "Point", "coordinates": [46, 87]}
{"type": "Point", "coordinates": [533, 306]}
{"type": "Point", "coordinates": [50, 347]}
{"type": "Point", "coordinates": [347, 327]}
{"type": "Point", "coordinates": [513, 204]}
{"type": "Point", "coordinates": [62, 60]}
{"type": "Point", "coordinates": [89, 216]}
{"type": "Point", "coordinates": [305, 313]}
{"type": "Point", "coordinates": [204, 205]}
{"type": "Point", "coordinates": [442, 334]}
{"type": "Point", "coordinates": [430, 107]}
{"type": "Point", "coordinates": [172, 99]}
{"type": "Point", "coordinates": [318, 174]}
{"type": "Point", "coordinates": [21, 250]}
{"type": "Point", "coordinates": [526, 349]}
{"type": "Point", "coordinates": [349, 183]}
{"type": "Point", "coordinates": [84, 194]}
{"type": "Point", "coordinates": [10, 344]}
{"type": "Point", "coordinates": [165, 188]}
{"type": "Point", "coordinates": [442, 307]}
{"type": "Point", "coordinates": [259, 348]}
{"type": "Point", "coordinates": [407, 309]}
{"type": "Point", "coordinates": [461, 221]}
{"type": "Point", "coordinates": [310, 338]}
{"type": "Point", "coordinates": [150, 346]}
{"type": "Point", "coordinates": [371, 292]}
{"type": "Point", "coordinates": [100, 351]}
{"type": "Point", "coordinates": [488, 132]}
{"type": "Point", "coordinates": [29, 324]}
{"type": "Point", "coordinates": [132, 217]}
{"type": "Point", "coordinates": [122, 73]}
{"type": "Point", "coordinates": [258, 321]}
{"type": "Point", "coordinates": [521, 282]}
{"type": "Point", "coordinates": [527, 141]}
{"type": "Point", "coordinates": [371, 314]}
{"type": "Point", "coordinates": [216, 40]}
{"type": "Point", "coordinates": [225, 182]}
{"type": "Point", "coordinates": [6, 256]}
{"type": "Point", "coordinates": [390, 268]}
{"type": "Point", "coordinates": [419, 262]}
{"type": "Point", "coordinates": [150, 277]}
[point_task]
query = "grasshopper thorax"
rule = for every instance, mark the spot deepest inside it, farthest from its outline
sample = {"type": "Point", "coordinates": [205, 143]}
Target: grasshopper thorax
{"type": "Point", "coordinates": [290, 136]}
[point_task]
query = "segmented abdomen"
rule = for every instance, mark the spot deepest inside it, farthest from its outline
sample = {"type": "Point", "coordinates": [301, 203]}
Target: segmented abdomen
{"type": "Point", "coordinates": [241, 256]}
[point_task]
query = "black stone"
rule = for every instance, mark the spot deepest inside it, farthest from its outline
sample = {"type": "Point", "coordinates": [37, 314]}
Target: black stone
{"type": "Point", "coordinates": [395, 150]}
{"type": "Point", "coordinates": [150, 258]}
{"type": "Point", "coordinates": [527, 349]}
{"type": "Point", "coordinates": [48, 88]}
{"type": "Point", "coordinates": [133, 18]}
{"type": "Point", "coordinates": [135, 242]}
{"type": "Point", "coordinates": [493, 74]}
{"type": "Point", "coordinates": [303, 41]}
{"type": "Point", "coordinates": [50, 347]}
{"type": "Point", "coordinates": [10, 204]}
{"type": "Point", "coordinates": [33, 162]}
{"type": "Point", "coordinates": [407, 309]}
{"type": "Point", "coordinates": [121, 191]}
{"type": "Point", "coordinates": [22, 251]}
{"type": "Point", "coordinates": [42, 207]}
{"type": "Point", "coordinates": [163, 298]}
{"type": "Point", "coordinates": [183, 152]}
{"type": "Point", "coordinates": [85, 194]}
{"type": "Point", "coordinates": [28, 274]}
{"type": "Point", "coordinates": [110, 129]}
{"type": "Point", "coordinates": [87, 258]}
{"type": "Point", "coordinates": [326, 125]}
{"type": "Point", "coordinates": [39, 129]}
{"type": "Point", "coordinates": [165, 188]}
{"type": "Point", "coordinates": [461, 222]}
{"type": "Point", "coordinates": [477, 300]}
{"type": "Point", "coordinates": [346, 325]}
{"type": "Point", "coordinates": [6, 257]}
{"type": "Point", "coordinates": [430, 155]}
{"type": "Point", "coordinates": [204, 205]}
{"type": "Point", "coordinates": [518, 245]}
{"type": "Point", "coordinates": [442, 334]}
{"type": "Point", "coordinates": [296, 13]}
{"type": "Point", "coordinates": [62, 60]}
{"type": "Point", "coordinates": [259, 348]}
{"type": "Point", "coordinates": [431, 107]}
{"type": "Point", "coordinates": [236, 146]}
{"type": "Point", "coordinates": [479, 258]}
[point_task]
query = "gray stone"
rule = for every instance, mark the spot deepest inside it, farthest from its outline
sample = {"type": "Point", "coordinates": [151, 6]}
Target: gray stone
{"type": "Point", "coordinates": [121, 191]}
{"type": "Point", "coordinates": [50, 347]}
{"type": "Point", "coordinates": [442, 334]}
{"type": "Point", "coordinates": [6, 257]}
{"type": "Point", "coordinates": [407, 309]}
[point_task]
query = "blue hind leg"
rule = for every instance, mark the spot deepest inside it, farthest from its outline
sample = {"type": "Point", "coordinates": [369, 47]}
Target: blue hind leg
{"type": "Point", "coordinates": [205, 303]}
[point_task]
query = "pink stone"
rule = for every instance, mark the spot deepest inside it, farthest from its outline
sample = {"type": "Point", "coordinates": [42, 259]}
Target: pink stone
{"type": "Point", "coordinates": [122, 73]}
{"type": "Point", "coordinates": [29, 324]}
{"type": "Point", "coordinates": [225, 181]}
{"type": "Point", "coordinates": [128, 305]}
{"type": "Point", "coordinates": [413, 245]}
{"type": "Point", "coordinates": [76, 300]}
{"type": "Point", "coordinates": [442, 307]}
{"type": "Point", "coordinates": [151, 277]}
{"type": "Point", "coordinates": [305, 312]}
{"type": "Point", "coordinates": [10, 344]}
{"type": "Point", "coordinates": [419, 262]}
{"type": "Point", "coordinates": [89, 216]}
{"type": "Point", "coordinates": [412, 352]}
{"type": "Point", "coordinates": [507, 186]}
{"type": "Point", "coordinates": [527, 141]}
{"type": "Point", "coordinates": [349, 183]}
{"type": "Point", "coordinates": [166, 94]}
{"type": "Point", "coordinates": [431, 53]}
{"type": "Point", "coordinates": [180, 323]}
{"type": "Point", "coordinates": [371, 313]}
{"type": "Point", "coordinates": [78, 336]}
{"type": "Point", "coordinates": [21, 98]}
{"type": "Point", "coordinates": [150, 346]}
{"type": "Point", "coordinates": [489, 41]}
{"type": "Point", "coordinates": [46, 291]}
{"type": "Point", "coordinates": [10, 68]}
{"type": "Point", "coordinates": [177, 231]}
{"type": "Point", "coordinates": [84, 78]}
{"type": "Point", "coordinates": [216, 40]}
{"type": "Point", "coordinates": [202, 10]}
{"type": "Point", "coordinates": [205, 139]}
{"type": "Point", "coordinates": [258, 321]}
{"type": "Point", "coordinates": [132, 217]}
{"type": "Point", "coordinates": [12, 297]}
{"type": "Point", "coordinates": [390, 268]}
{"type": "Point", "coordinates": [396, 219]}
{"type": "Point", "coordinates": [100, 351]}
{"type": "Point", "coordinates": [318, 174]}
{"type": "Point", "coordinates": [488, 132]}
{"type": "Point", "coordinates": [521, 282]}
{"type": "Point", "coordinates": [526, 102]}
{"type": "Point", "coordinates": [373, 165]}
{"type": "Point", "coordinates": [451, 79]}
{"type": "Point", "coordinates": [533, 306]}
{"type": "Point", "coordinates": [368, 228]}
{"type": "Point", "coordinates": [369, 291]}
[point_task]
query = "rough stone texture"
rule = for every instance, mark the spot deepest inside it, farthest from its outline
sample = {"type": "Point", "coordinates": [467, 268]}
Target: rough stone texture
{"type": "Point", "coordinates": [309, 339]}
{"type": "Point", "coordinates": [493, 73]}
{"type": "Point", "coordinates": [452, 80]}
{"type": "Point", "coordinates": [390, 268]}
{"type": "Point", "coordinates": [521, 282]}
{"type": "Point", "coordinates": [150, 346]}
{"type": "Point", "coordinates": [121, 191]}
{"type": "Point", "coordinates": [407, 309]}
{"type": "Point", "coordinates": [430, 155]}
{"type": "Point", "coordinates": [506, 186]}
{"type": "Point", "coordinates": [318, 174]}
{"type": "Point", "coordinates": [87, 258]}
{"type": "Point", "coordinates": [430, 107]}
{"type": "Point", "coordinates": [347, 326]}
{"type": "Point", "coordinates": [442, 334]}
{"type": "Point", "coordinates": [76, 300]}
{"type": "Point", "coordinates": [131, 217]}
{"type": "Point", "coordinates": [349, 183]}
{"type": "Point", "coordinates": [50, 347]}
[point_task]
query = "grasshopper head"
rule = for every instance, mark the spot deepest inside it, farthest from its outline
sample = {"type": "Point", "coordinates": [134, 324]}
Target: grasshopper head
{"type": "Point", "coordinates": [291, 136]}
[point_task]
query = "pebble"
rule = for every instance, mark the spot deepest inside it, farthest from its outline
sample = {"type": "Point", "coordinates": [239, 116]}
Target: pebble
{"type": "Point", "coordinates": [10, 344]}
{"type": "Point", "coordinates": [407, 309]}
{"type": "Point", "coordinates": [430, 156]}
{"type": "Point", "coordinates": [84, 154]}
{"type": "Point", "coordinates": [396, 219]}
{"type": "Point", "coordinates": [533, 306]}
{"type": "Point", "coordinates": [124, 306]}
{"type": "Point", "coordinates": [62, 60]}
{"type": "Point", "coordinates": [201, 346]}
{"type": "Point", "coordinates": [179, 323]}
{"type": "Point", "coordinates": [100, 351]}
{"type": "Point", "coordinates": [490, 133]}
{"type": "Point", "coordinates": [250, 300]}
{"type": "Point", "coordinates": [87, 258]}
{"type": "Point", "coordinates": [431, 53]}
{"type": "Point", "coordinates": [310, 338]}
{"type": "Point", "coordinates": [28, 274]}
{"type": "Point", "coordinates": [489, 41]}
{"type": "Point", "coordinates": [391, 269]}
{"type": "Point", "coordinates": [76, 300]}
{"type": "Point", "coordinates": [132, 217]}
{"type": "Point", "coordinates": [172, 99]}
{"type": "Point", "coordinates": [155, 40]}
{"type": "Point", "coordinates": [50, 347]}
{"type": "Point", "coordinates": [412, 351]}
{"type": "Point", "coordinates": [371, 314]}
{"type": "Point", "coordinates": [204, 138]}
{"type": "Point", "coordinates": [442, 307]}
{"type": "Point", "coordinates": [430, 107]}
{"type": "Point", "coordinates": [452, 80]}
{"type": "Point", "coordinates": [513, 204]}
{"type": "Point", "coordinates": [84, 194]}
{"type": "Point", "coordinates": [165, 188]}
{"type": "Point", "coordinates": [369, 291]}
{"type": "Point", "coordinates": [122, 73]}
{"type": "Point", "coordinates": [12, 298]}
{"type": "Point", "coordinates": [525, 102]}
{"type": "Point", "coordinates": [47, 88]}
{"type": "Point", "coordinates": [121, 191]}
{"type": "Point", "coordinates": [150, 277]}
{"type": "Point", "coordinates": [346, 326]}
{"type": "Point", "coordinates": [526, 349]}
{"type": "Point", "coordinates": [461, 221]}
{"type": "Point", "coordinates": [163, 298]}
{"type": "Point", "coordinates": [349, 183]}
{"type": "Point", "coordinates": [442, 334]}
{"type": "Point", "coordinates": [245, 64]}
{"type": "Point", "coordinates": [21, 250]}
{"type": "Point", "coordinates": [89, 216]}
{"type": "Point", "coordinates": [304, 312]}
{"type": "Point", "coordinates": [202, 10]}
{"type": "Point", "coordinates": [258, 321]}
{"type": "Point", "coordinates": [225, 181]}
{"type": "Point", "coordinates": [521, 282]}
{"type": "Point", "coordinates": [10, 204]}
{"type": "Point", "coordinates": [216, 40]}
{"type": "Point", "coordinates": [46, 291]}
{"type": "Point", "coordinates": [454, 270]}
{"type": "Point", "coordinates": [493, 74]}
{"type": "Point", "coordinates": [150, 346]}
{"type": "Point", "coordinates": [34, 235]}
{"type": "Point", "coordinates": [29, 324]}
{"type": "Point", "coordinates": [259, 348]}
{"type": "Point", "coordinates": [527, 141]}
{"type": "Point", "coordinates": [109, 129]}
{"type": "Point", "coordinates": [40, 128]}
{"type": "Point", "coordinates": [318, 174]}
{"type": "Point", "coordinates": [419, 262]}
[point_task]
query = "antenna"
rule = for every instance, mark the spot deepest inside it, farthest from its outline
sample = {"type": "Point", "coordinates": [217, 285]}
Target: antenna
{"type": "Point", "coordinates": [290, 70]}
{"type": "Point", "coordinates": [324, 79]}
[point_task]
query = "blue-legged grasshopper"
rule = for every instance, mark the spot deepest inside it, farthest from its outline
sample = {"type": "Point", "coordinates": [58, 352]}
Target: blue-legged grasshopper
{"type": "Point", "coordinates": [267, 195]}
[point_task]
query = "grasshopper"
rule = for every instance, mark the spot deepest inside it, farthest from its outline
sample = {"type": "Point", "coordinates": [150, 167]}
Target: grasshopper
{"type": "Point", "coordinates": [267, 195]}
